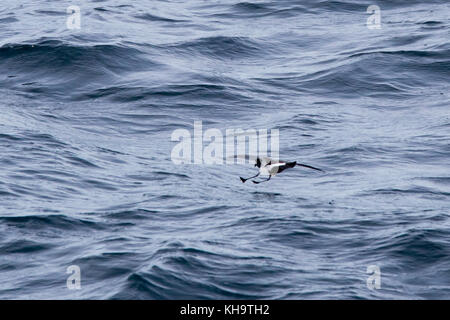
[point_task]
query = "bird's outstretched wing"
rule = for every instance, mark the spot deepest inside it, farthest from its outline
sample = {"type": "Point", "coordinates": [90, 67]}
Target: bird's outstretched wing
{"type": "Point", "coordinates": [280, 166]}
{"type": "Point", "coordinates": [310, 167]}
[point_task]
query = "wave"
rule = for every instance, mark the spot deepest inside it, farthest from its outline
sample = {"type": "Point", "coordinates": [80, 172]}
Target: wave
{"type": "Point", "coordinates": [191, 92]}
{"type": "Point", "coordinates": [151, 17]}
{"type": "Point", "coordinates": [66, 57]}
{"type": "Point", "coordinates": [24, 247]}
{"type": "Point", "coordinates": [181, 272]}
{"type": "Point", "coordinates": [222, 47]}
{"type": "Point", "coordinates": [393, 74]}
{"type": "Point", "coordinates": [416, 248]}
{"type": "Point", "coordinates": [61, 68]}
{"type": "Point", "coordinates": [60, 222]}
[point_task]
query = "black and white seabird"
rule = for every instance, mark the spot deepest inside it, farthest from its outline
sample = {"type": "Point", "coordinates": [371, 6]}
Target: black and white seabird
{"type": "Point", "coordinates": [269, 167]}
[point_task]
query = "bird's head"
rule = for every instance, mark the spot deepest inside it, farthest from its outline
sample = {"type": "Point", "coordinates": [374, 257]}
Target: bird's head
{"type": "Point", "coordinates": [258, 163]}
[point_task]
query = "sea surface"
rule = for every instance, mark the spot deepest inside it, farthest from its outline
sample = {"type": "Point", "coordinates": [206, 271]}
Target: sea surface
{"type": "Point", "coordinates": [87, 178]}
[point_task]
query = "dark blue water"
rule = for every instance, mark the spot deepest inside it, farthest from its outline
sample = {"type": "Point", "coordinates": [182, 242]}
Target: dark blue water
{"type": "Point", "coordinates": [86, 176]}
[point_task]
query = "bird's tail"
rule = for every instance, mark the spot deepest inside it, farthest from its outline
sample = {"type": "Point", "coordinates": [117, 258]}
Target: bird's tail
{"type": "Point", "coordinates": [306, 166]}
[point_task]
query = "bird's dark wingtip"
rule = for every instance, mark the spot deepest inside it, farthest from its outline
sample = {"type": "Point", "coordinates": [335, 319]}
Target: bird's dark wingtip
{"type": "Point", "coordinates": [310, 167]}
{"type": "Point", "coordinates": [243, 180]}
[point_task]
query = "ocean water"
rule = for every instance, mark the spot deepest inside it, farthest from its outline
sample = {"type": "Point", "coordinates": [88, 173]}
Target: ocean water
{"type": "Point", "coordinates": [87, 178]}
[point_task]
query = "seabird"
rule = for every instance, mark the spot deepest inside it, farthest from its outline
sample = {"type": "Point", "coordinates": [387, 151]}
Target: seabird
{"type": "Point", "coordinates": [269, 167]}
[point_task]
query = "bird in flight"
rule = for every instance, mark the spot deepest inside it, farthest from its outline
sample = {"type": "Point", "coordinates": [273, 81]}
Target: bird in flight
{"type": "Point", "coordinates": [269, 167]}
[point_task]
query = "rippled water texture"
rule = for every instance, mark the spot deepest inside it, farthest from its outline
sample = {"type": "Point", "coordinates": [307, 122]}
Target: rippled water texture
{"type": "Point", "coordinates": [86, 176]}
